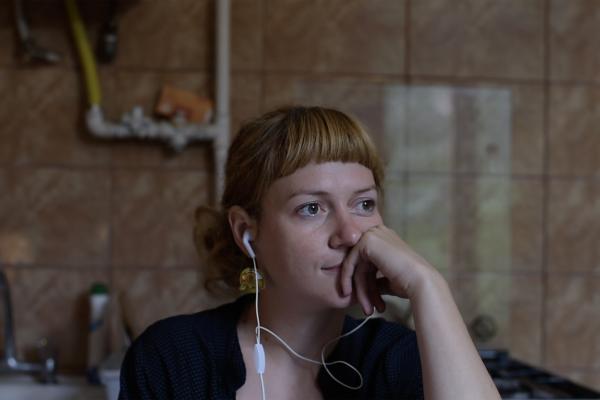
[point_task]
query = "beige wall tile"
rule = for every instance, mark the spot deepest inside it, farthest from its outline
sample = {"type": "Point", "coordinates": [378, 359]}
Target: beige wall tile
{"type": "Point", "coordinates": [153, 217]}
{"type": "Point", "coordinates": [527, 124]}
{"type": "Point", "coordinates": [246, 96]}
{"type": "Point", "coordinates": [513, 302]}
{"type": "Point", "coordinates": [392, 141]}
{"type": "Point", "coordinates": [428, 225]}
{"type": "Point", "coordinates": [465, 129]}
{"type": "Point", "coordinates": [527, 197]}
{"type": "Point", "coordinates": [573, 130]}
{"type": "Point", "coordinates": [167, 35]}
{"type": "Point", "coordinates": [574, 50]}
{"type": "Point", "coordinates": [340, 36]}
{"type": "Point", "coordinates": [589, 378]}
{"type": "Point", "coordinates": [54, 217]}
{"type": "Point", "coordinates": [572, 323]}
{"type": "Point", "coordinates": [394, 204]}
{"type": "Point", "coordinates": [439, 109]}
{"type": "Point", "coordinates": [484, 224]}
{"type": "Point", "coordinates": [361, 99]}
{"type": "Point", "coordinates": [8, 107]}
{"type": "Point", "coordinates": [41, 120]}
{"type": "Point", "coordinates": [474, 127]}
{"type": "Point", "coordinates": [477, 38]}
{"type": "Point", "coordinates": [574, 225]}
{"type": "Point", "coordinates": [247, 35]}
{"type": "Point", "coordinates": [150, 295]}
{"type": "Point", "coordinates": [52, 303]}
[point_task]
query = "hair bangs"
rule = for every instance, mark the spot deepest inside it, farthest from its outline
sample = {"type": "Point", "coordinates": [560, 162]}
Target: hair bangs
{"type": "Point", "coordinates": [323, 137]}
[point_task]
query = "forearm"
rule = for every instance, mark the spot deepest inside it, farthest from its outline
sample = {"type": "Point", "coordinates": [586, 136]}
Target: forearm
{"type": "Point", "coordinates": [452, 368]}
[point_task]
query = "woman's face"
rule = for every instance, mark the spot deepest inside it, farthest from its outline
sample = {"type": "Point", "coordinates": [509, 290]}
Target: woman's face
{"type": "Point", "coordinates": [309, 222]}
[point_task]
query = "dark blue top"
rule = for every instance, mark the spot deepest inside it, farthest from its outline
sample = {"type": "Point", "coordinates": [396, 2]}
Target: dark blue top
{"type": "Point", "coordinates": [198, 356]}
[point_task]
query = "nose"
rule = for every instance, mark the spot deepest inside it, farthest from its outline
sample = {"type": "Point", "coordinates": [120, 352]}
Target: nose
{"type": "Point", "coordinates": [346, 232]}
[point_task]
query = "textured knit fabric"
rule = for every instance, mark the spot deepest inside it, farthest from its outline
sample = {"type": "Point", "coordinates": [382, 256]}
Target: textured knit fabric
{"type": "Point", "coordinates": [198, 356]}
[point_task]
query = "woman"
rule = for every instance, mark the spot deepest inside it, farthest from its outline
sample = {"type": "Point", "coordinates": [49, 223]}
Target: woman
{"type": "Point", "coordinates": [301, 201]}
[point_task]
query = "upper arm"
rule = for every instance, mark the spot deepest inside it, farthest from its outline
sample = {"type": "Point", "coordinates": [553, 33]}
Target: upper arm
{"type": "Point", "coordinates": [143, 375]}
{"type": "Point", "coordinates": [403, 367]}
{"type": "Point", "coordinates": [169, 360]}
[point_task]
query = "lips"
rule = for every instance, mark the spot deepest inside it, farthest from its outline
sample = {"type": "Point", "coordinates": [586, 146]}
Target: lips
{"type": "Point", "coordinates": [332, 268]}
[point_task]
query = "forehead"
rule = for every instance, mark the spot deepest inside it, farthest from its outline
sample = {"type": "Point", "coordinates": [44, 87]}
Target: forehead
{"type": "Point", "coordinates": [335, 178]}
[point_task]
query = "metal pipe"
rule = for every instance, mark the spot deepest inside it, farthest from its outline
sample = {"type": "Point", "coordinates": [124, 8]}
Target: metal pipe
{"type": "Point", "coordinates": [31, 50]}
{"type": "Point", "coordinates": [135, 124]}
{"type": "Point", "coordinates": [9, 332]}
{"type": "Point", "coordinates": [221, 143]}
{"type": "Point", "coordinates": [9, 362]}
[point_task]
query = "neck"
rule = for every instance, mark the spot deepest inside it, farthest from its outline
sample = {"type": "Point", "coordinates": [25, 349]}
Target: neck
{"type": "Point", "coordinates": [304, 330]}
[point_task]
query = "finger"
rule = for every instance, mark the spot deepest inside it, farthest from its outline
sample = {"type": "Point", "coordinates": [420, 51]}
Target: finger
{"type": "Point", "coordinates": [348, 268]}
{"type": "Point", "coordinates": [361, 287]}
{"type": "Point", "coordinates": [373, 290]}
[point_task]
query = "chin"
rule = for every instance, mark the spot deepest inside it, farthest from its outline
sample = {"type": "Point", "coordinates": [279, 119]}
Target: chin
{"type": "Point", "coordinates": [337, 301]}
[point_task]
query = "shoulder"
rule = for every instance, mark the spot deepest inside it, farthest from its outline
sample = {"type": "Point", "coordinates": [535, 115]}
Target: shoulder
{"type": "Point", "coordinates": [205, 331]}
{"type": "Point", "coordinates": [179, 351]}
{"type": "Point", "coordinates": [202, 324]}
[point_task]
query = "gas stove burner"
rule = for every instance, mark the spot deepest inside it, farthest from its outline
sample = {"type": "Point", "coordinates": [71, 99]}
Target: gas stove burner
{"type": "Point", "coordinates": [518, 380]}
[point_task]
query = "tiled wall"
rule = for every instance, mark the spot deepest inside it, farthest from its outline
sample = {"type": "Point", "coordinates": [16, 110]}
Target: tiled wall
{"type": "Point", "coordinates": [74, 210]}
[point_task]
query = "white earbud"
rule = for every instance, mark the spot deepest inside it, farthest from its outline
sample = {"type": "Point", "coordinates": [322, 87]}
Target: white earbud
{"type": "Point", "coordinates": [246, 238]}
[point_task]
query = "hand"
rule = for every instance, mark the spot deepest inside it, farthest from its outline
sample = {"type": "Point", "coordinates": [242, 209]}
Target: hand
{"type": "Point", "coordinates": [382, 263]}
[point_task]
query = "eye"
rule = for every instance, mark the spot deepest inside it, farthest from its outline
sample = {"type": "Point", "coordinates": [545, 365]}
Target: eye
{"type": "Point", "coordinates": [367, 206]}
{"type": "Point", "coordinates": [309, 209]}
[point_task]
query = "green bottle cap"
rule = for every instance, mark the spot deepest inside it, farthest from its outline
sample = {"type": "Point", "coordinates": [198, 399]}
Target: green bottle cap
{"type": "Point", "coordinates": [99, 288]}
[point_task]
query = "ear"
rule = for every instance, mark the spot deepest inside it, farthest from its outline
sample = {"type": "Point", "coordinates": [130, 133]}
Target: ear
{"type": "Point", "coordinates": [239, 222]}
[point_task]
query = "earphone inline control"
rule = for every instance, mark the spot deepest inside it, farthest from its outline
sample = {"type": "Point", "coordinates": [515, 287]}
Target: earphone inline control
{"type": "Point", "coordinates": [259, 351]}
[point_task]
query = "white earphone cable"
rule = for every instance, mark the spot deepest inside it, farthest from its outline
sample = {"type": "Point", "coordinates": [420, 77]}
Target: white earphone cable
{"type": "Point", "coordinates": [260, 328]}
{"type": "Point", "coordinates": [323, 362]}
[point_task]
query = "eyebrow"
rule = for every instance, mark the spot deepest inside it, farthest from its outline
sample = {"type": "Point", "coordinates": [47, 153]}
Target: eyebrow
{"type": "Point", "coordinates": [324, 193]}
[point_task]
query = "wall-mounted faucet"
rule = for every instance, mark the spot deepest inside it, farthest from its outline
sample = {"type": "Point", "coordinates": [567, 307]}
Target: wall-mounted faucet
{"type": "Point", "coordinates": [9, 362]}
{"type": "Point", "coordinates": [29, 46]}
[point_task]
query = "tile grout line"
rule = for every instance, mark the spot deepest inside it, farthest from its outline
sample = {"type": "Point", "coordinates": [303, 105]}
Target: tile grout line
{"type": "Point", "coordinates": [405, 177]}
{"type": "Point", "coordinates": [109, 250]}
{"type": "Point", "coordinates": [186, 169]}
{"type": "Point", "coordinates": [407, 43]}
{"type": "Point", "coordinates": [545, 181]}
{"type": "Point", "coordinates": [263, 56]}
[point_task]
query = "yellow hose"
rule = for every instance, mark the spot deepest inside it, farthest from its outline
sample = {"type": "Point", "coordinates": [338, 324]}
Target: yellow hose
{"type": "Point", "coordinates": [85, 54]}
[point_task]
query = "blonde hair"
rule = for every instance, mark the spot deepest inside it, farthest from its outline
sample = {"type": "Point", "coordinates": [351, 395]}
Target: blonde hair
{"type": "Point", "coordinates": [265, 149]}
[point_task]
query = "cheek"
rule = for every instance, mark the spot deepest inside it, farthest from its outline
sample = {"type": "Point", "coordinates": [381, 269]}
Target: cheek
{"type": "Point", "coordinates": [289, 245]}
{"type": "Point", "coordinates": [375, 220]}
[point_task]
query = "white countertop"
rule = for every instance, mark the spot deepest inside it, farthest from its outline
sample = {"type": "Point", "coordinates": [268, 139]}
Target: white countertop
{"type": "Point", "coordinates": [69, 387]}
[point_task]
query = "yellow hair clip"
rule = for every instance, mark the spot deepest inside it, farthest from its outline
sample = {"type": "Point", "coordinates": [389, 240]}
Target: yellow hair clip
{"type": "Point", "coordinates": [248, 282]}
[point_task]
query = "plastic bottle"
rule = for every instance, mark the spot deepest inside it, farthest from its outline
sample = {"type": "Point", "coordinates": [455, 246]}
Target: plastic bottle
{"type": "Point", "coordinates": [97, 331]}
